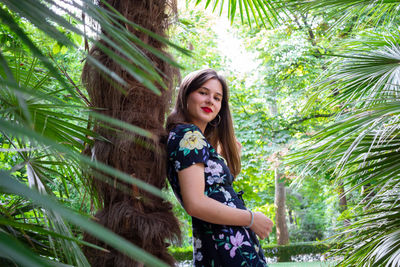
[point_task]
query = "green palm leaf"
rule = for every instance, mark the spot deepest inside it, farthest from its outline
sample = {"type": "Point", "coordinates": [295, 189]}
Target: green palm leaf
{"type": "Point", "coordinates": [260, 11]}
{"type": "Point", "coordinates": [125, 43]}
{"type": "Point", "coordinates": [373, 239]}
{"type": "Point", "coordinates": [365, 76]}
{"type": "Point", "coordinates": [13, 250]}
{"type": "Point", "coordinates": [9, 185]}
{"type": "Point", "coordinates": [361, 148]}
{"type": "Point", "coordinates": [376, 12]}
{"type": "Point", "coordinates": [48, 138]}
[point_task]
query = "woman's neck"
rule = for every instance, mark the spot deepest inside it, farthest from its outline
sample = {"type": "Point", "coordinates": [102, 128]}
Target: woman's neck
{"type": "Point", "coordinates": [201, 126]}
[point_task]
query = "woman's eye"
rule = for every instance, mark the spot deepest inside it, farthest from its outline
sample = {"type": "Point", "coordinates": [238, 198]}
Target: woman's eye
{"type": "Point", "coordinates": [217, 99]}
{"type": "Point", "coordinates": [202, 93]}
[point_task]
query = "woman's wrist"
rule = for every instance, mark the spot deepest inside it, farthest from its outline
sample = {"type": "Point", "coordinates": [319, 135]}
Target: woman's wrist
{"type": "Point", "coordinates": [251, 219]}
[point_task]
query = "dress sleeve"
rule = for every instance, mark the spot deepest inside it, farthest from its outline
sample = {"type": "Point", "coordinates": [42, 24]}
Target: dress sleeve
{"type": "Point", "coordinates": [187, 146]}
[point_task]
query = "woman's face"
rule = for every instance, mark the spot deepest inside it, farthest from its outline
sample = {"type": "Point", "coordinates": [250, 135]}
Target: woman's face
{"type": "Point", "coordinates": [204, 103]}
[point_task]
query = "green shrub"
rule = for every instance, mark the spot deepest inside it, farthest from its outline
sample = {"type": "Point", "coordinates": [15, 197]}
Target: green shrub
{"type": "Point", "coordinates": [182, 254]}
{"type": "Point", "coordinates": [283, 253]}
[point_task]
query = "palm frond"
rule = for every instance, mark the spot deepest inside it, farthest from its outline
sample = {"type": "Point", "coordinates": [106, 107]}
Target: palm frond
{"type": "Point", "coordinates": [77, 157]}
{"type": "Point", "coordinates": [9, 185]}
{"type": "Point", "coordinates": [361, 147]}
{"type": "Point", "coordinates": [126, 44]}
{"type": "Point", "coordinates": [48, 121]}
{"type": "Point", "coordinates": [374, 12]}
{"type": "Point", "coordinates": [35, 108]}
{"type": "Point", "coordinates": [14, 251]}
{"type": "Point", "coordinates": [261, 11]}
{"type": "Point", "coordinates": [36, 233]}
{"type": "Point", "coordinates": [365, 75]}
{"type": "Point", "coordinates": [374, 238]}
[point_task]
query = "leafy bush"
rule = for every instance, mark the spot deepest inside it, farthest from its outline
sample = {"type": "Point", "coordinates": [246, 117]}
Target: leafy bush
{"type": "Point", "coordinates": [310, 228]}
{"type": "Point", "coordinates": [182, 253]}
{"type": "Point", "coordinates": [283, 253]}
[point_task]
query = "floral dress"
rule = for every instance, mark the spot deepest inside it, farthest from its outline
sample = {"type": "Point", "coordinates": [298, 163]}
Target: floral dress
{"type": "Point", "coordinates": [213, 244]}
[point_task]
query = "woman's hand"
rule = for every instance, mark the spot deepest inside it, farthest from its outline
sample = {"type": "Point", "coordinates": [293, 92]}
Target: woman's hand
{"type": "Point", "coordinates": [262, 225]}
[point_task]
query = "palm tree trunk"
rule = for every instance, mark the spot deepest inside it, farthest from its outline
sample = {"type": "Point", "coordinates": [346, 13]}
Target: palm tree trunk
{"type": "Point", "coordinates": [138, 216]}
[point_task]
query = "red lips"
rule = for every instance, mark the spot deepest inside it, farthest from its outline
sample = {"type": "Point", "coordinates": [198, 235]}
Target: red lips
{"type": "Point", "coordinates": [206, 109]}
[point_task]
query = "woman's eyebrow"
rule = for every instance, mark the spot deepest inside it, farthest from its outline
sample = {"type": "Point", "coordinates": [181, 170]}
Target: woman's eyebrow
{"type": "Point", "coordinates": [203, 87]}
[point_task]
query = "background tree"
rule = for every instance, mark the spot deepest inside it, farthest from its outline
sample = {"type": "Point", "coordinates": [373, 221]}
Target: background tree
{"type": "Point", "coordinates": [45, 18]}
{"type": "Point", "coordinates": [289, 61]}
{"type": "Point", "coordinates": [360, 147]}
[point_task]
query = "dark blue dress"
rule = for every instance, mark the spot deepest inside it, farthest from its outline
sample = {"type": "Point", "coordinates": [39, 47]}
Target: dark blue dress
{"type": "Point", "coordinates": [213, 244]}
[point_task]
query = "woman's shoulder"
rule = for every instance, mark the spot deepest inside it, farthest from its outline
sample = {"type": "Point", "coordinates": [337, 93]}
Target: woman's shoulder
{"type": "Point", "coordinates": [186, 133]}
{"type": "Point", "coordinates": [183, 128]}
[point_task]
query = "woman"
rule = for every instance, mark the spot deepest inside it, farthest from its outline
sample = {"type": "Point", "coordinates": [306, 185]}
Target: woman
{"type": "Point", "coordinates": [203, 159]}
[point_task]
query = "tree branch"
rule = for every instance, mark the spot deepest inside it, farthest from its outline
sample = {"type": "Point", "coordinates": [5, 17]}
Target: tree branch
{"type": "Point", "coordinates": [64, 72]}
{"type": "Point", "coordinates": [309, 29]}
{"type": "Point", "coordinates": [305, 119]}
{"type": "Point", "coordinates": [309, 118]}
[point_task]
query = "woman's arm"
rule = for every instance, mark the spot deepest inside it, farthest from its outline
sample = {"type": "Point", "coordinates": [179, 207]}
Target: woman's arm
{"type": "Point", "coordinates": [198, 205]}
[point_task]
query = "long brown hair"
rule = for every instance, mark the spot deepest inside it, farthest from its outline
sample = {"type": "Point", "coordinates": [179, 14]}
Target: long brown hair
{"type": "Point", "coordinates": [221, 135]}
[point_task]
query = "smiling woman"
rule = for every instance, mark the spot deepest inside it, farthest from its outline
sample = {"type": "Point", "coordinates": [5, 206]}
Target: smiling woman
{"type": "Point", "coordinates": [201, 138]}
{"type": "Point", "coordinates": [204, 103]}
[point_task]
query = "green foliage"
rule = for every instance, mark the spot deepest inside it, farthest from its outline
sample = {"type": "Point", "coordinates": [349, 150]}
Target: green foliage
{"type": "Point", "coordinates": [362, 13]}
{"type": "Point", "coordinates": [184, 253]}
{"type": "Point", "coordinates": [253, 10]}
{"type": "Point", "coordinates": [361, 147]}
{"type": "Point", "coordinates": [44, 119]}
{"type": "Point", "coordinates": [194, 32]}
{"type": "Point", "coordinates": [268, 107]}
{"type": "Point", "coordinates": [312, 209]}
{"type": "Point", "coordinates": [11, 186]}
{"type": "Point", "coordinates": [285, 253]}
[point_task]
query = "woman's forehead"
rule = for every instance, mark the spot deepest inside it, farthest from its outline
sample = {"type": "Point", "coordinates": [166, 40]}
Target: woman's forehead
{"type": "Point", "coordinates": [213, 85]}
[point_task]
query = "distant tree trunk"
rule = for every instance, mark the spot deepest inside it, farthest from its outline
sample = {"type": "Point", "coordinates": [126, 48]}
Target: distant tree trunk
{"type": "Point", "coordinates": [342, 198]}
{"type": "Point", "coordinates": [291, 218]}
{"type": "Point", "coordinates": [282, 232]}
{"type": "Point", "coordinates": [138, 216]}
{"type": "Point", "coordinates": [367, 191]}
{"type": "Point", "coordinates": [343, 202]}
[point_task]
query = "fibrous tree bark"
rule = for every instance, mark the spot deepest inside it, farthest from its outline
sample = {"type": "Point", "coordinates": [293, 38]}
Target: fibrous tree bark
{"type": "Point", "coordinates": [138, 216]}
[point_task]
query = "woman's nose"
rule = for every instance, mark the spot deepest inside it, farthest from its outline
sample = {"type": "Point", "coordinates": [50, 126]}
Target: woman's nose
{"type": "Point", "coordinates": [210, 100]}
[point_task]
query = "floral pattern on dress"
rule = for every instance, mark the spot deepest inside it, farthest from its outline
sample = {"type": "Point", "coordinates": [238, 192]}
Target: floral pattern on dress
{"type": "Point", "coordinates": [213, 168]}
{"type": "Point", "coordinates": [213, 245]}
{"type": "Point", "coordinates": [235, 243]}
{"type": "Point", "coordinates": [196, 249]}
{"type": "Point", "coordinates": [192, 141]}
